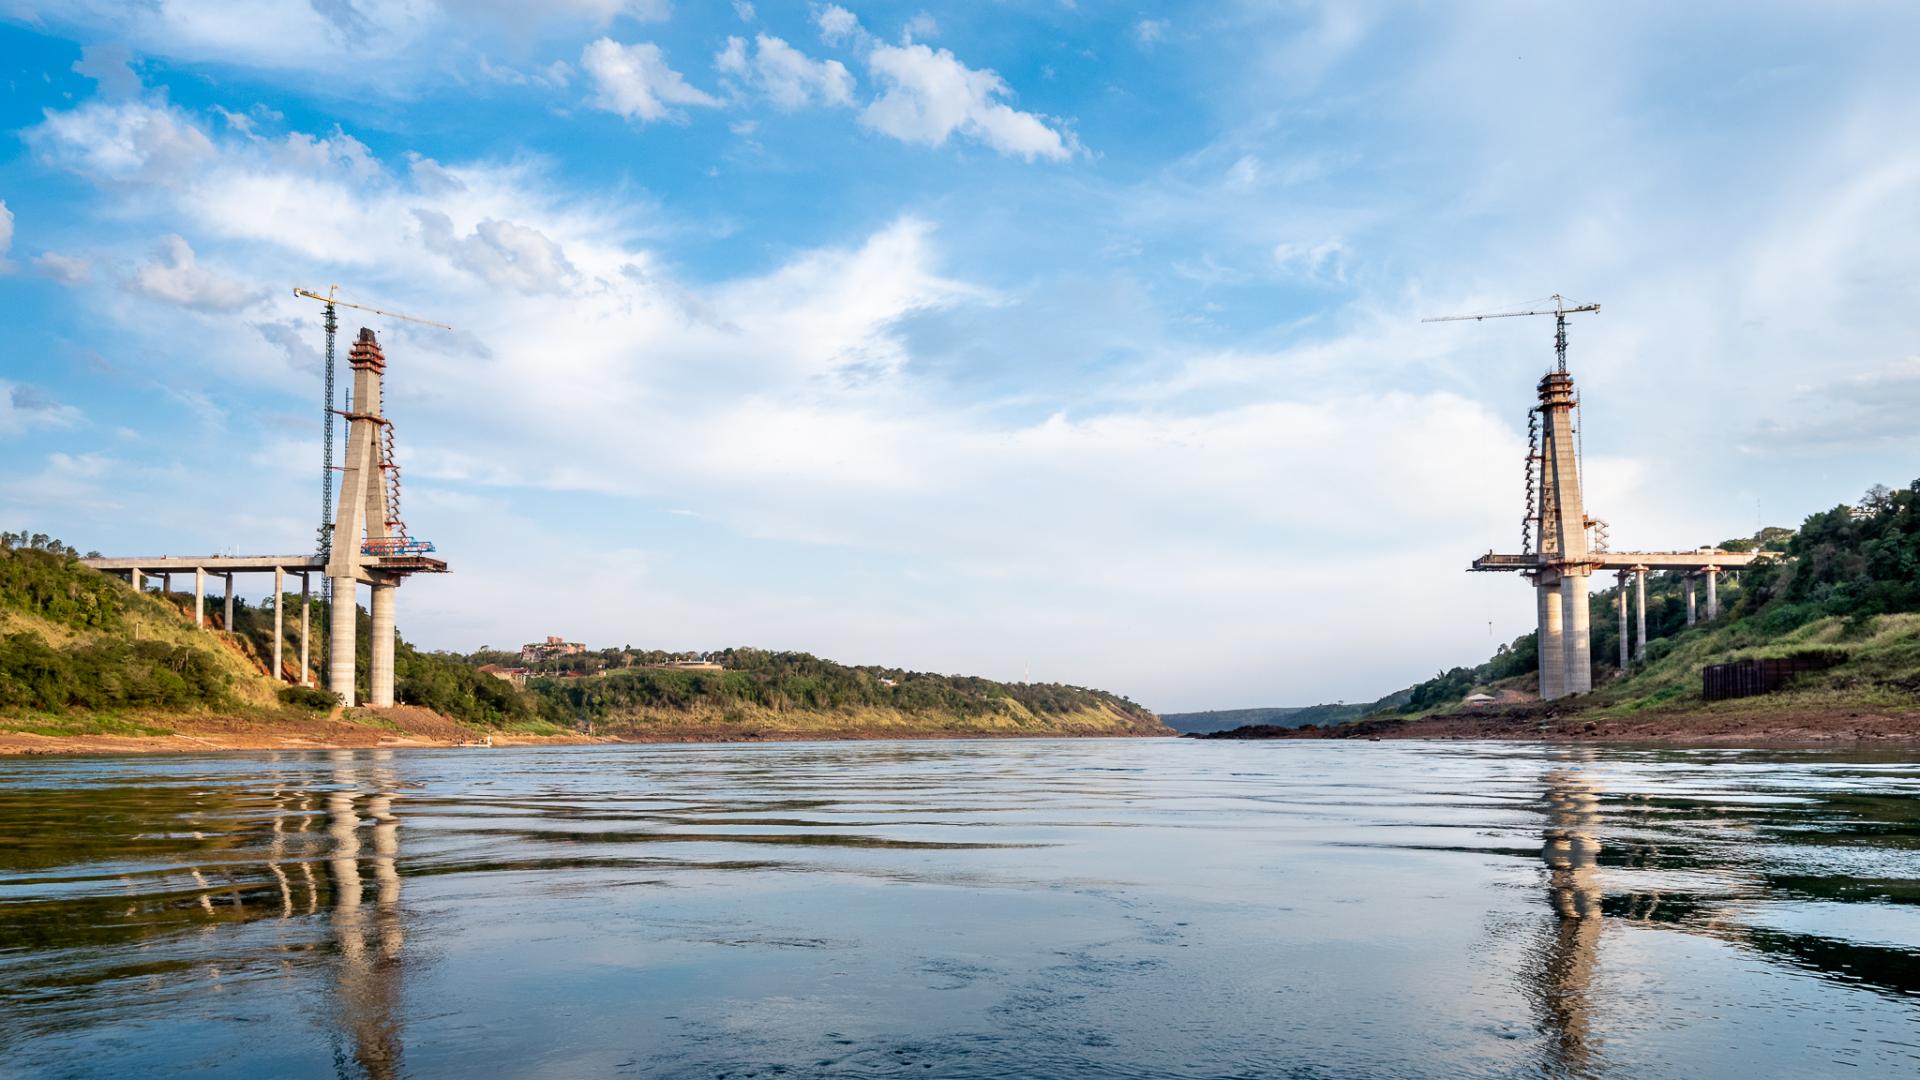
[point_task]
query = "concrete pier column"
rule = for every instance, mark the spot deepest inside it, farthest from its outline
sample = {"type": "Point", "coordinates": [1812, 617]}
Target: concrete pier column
{"type": "Point", "coordinates": [380, 649]}
{"type": "Point", "coordinates": [1579, 634]}
{"type": "Point", "coordinates": [1692, 617]}
{"type": "Point", "coordinates": [133, 578]}
{"type": "Point", "coordinates": [1552, 644]}
{"type": "Point", "coordinates": [227, 619]}
{"type": "Point", "coordinates": [340, 635]}
{"type": "Point", "coordinates": [306, 637]}
{"type": "Point", "coordinates": [166, 584]}
{"type": "Point", "coordinates": [1620, 602]}
{"type": "Point", "coordinates": [1713, 593]}
{"type": "Point", "coordinates": [199, 596]}
{"type": "Point", "coordinates": [279, 621]}
{"type": "Point", "coordinates": [1640, 598]}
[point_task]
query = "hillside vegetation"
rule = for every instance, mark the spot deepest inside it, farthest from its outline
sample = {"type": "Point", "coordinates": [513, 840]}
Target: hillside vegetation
{"type": "Point", "coordinates": [84, 653]}
{"type": "Point", "coordinates": [786, 693]}
{"type": "Point", "coordinates": [81, 652]}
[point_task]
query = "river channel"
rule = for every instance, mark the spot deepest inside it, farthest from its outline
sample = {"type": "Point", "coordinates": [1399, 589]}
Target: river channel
{"type": "Point", "coordinates": [1072, 908]}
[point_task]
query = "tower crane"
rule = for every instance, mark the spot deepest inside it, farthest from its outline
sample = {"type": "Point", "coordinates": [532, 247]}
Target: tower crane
{"type": "Point", "coordinates": [332, 324]}
{"type": "Point", "coordinates": [1561, 308]}
{"type": "Point", "coordinates": [1540, 495]}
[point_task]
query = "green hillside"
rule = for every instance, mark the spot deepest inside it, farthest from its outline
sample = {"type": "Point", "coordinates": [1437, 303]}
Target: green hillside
{"type": "Point", "coordinates": [83, 653]}
{"type": "Point", "coordinates": [784, 694]}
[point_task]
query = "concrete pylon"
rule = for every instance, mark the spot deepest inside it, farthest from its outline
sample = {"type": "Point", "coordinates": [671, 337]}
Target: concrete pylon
{"type": "Point", "coordinates": [1579, 648]}
{"type": "Point", "coordinates": [1692, 611]}
{"type": "Point", "coordinates": [1640, 596]}
{"type": "Point", "coordinates": [1566, 665]}
{"type": "Point", "coordinates": [1552, 644]}
{"type": "Point", "coordinates": [1620, 602]}
{"type": "Point", "coordinates": [199, 596]}
{"type": "Point", "coordinates": [226, 620]}
{"type": "Point", "coordinates": [340, 641]}
{"type": "Point", "coordinates": [279, 622]}
{"type": "Point", "coordinates": [1713, 593]}
{"type": "Point", "coordinates": [360, 516]}
{"type": "Point", "coordinates": [306, 636]}
{"type": "Point", "coordinates": [380, 648]}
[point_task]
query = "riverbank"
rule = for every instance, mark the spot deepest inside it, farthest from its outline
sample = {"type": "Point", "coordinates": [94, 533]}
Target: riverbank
{"type": "Point", "coordinates": [408, 727]}
{"type": "Point", "coordinates": [1731, 722]}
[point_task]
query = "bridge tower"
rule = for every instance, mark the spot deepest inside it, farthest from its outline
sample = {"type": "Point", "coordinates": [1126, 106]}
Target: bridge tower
{"type": "Point", "coordinates": [1566, 663]}
{"type": "Point", "coordinates": [361, 516]}
{"type": "Point", "coordinates": [370, 541]}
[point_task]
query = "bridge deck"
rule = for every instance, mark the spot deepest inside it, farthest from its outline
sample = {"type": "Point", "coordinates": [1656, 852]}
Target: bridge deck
{"type": "Point", "coordinates": [244, 564]}
{"type": "Point", "coordinates": [1629, 560]}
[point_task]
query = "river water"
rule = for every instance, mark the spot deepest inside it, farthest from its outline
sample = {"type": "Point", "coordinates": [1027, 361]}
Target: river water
{"type": "Point", "coordinates": [1118, 908]}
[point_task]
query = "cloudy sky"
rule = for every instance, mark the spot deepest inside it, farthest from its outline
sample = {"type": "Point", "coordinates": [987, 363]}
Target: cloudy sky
{"type": "Point", "coordinates": [1064, 340]}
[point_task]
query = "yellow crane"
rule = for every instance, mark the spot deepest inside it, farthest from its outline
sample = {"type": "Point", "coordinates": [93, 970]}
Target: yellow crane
{"type": "Point", "coordinates": [332, 324]}
{"type": "Point", "coordinates": [1562, 307]}
{"type": "Point", "coordinates": [332, 299]}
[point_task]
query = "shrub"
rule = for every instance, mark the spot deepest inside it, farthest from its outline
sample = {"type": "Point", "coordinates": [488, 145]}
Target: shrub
{"type": "Point", "coordinates": [309, 697]}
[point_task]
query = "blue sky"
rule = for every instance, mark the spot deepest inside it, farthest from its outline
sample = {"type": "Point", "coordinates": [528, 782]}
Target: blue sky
{"type": "Point", "coordinates": [1074, 341]}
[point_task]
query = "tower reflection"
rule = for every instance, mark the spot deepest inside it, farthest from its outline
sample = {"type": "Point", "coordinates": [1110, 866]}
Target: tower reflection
{"type": "Point", "coordinates": [1565, 972]}
{"type": "Point", "coordinates": [369, 941]}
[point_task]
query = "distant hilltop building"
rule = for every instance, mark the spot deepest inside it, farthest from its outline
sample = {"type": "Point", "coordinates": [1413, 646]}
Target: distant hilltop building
{"type": "Point", "coordinates": [516, 676]}
{"type": "Point", "coordinates": [549, 649]}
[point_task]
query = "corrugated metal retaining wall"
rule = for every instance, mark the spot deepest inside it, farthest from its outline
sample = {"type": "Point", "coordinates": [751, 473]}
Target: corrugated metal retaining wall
{"type": "Point", "coordinates": [1745, 678]}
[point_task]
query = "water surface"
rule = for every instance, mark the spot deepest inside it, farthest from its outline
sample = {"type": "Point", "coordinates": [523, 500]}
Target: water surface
{"type": "Point", "coordinates": [1060, 908]}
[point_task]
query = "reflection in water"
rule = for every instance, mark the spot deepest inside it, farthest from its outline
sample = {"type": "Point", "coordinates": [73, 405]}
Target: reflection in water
{"type": "Point", "coordinates": [1132, 908]}
{"type": "Point", "coordinates": [1572, 854]}
{"type": "Point", "coordinates": [369, 949]}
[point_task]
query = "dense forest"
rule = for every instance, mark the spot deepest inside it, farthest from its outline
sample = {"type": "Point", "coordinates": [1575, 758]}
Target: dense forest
{"type": "Point", "coordinates": [1851, 562]}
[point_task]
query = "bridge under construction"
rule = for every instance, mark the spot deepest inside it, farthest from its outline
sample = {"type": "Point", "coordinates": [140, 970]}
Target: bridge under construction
{"type": "Point", "coordinates": [363, 541]}
{"type": "Point", "coordinates": [1572, 545]}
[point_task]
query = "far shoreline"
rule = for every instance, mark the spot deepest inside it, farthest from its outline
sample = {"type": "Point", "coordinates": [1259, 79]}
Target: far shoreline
{"type": "Point", "coordinates": [1743, 722]}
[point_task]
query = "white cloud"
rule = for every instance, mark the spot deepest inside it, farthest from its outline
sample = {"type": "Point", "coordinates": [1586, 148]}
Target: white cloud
{"type": "Point", "coordinates": [383, 46]}
{"type": "Point", "coordinates": [176, 276]}
{"type": "Point", "coordinates": [743, 10]}
{"type": "Point", "coordinates": [635, 81]}
{"type": "Point", "coordinates": [6, 230]}
{"type": "Point", "coordinates": [123, 141]}
{"type": "Point", "coordinates": [920, 26]}
{"type": "Point", "coordinates": [500, 252]}
{"type": "Point", "coordinates": [1323, 259]}
{"type": "Point", "coordinates": [26, 408]}
{"type": "Point", "coordinates": [837, 24]}
{"type": "Point", "coordinates": [930, 95]}
{"type": "Point", "coordinates": [788, 77]}
{"type": "Point", "coordinates": [111, 67]}
{"type": "Point", "coordinates": [1150, 31]}
{"type": "Point", "coordinates": [65, 269]}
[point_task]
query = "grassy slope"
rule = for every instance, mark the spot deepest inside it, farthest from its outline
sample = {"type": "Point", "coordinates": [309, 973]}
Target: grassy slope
{"type": "Point", "coordinates": [1880, 674]}
{"type": "Point", "coordinates": [148, 618]}
{"type": "Point", "coordinates": [1881, 669]}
